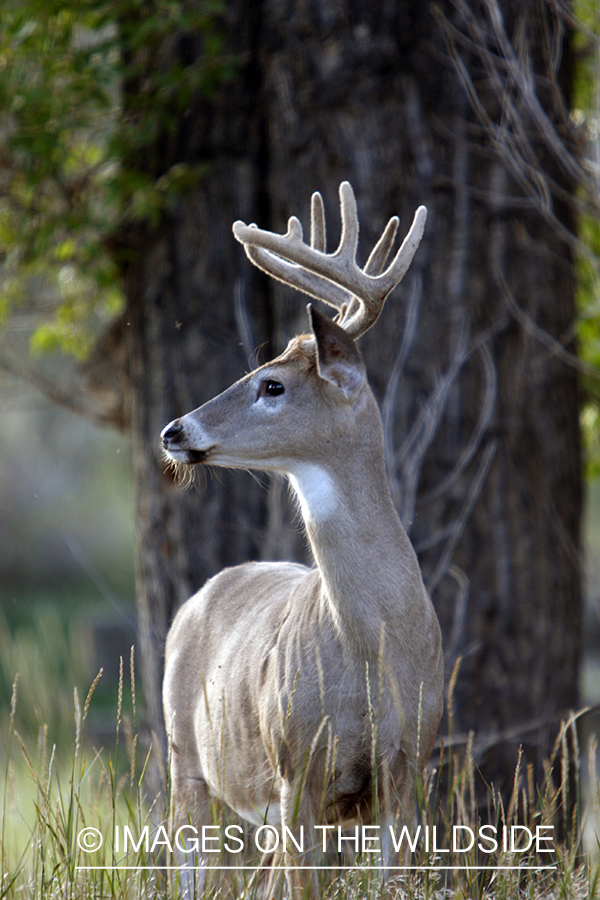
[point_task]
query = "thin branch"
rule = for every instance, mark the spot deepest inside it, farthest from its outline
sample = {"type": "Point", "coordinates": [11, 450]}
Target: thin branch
{"type": "Point", "coordinates": [459, 617]}
{"type": "Point", "coordinates": [461, 520]}
{"type": "Point", "coordinates": [520, 72]}
{"type": "Point", "coordinates": [242, 323]}
{"type": "Point", "coordinates": [416, 444]}
{"type": "Point", "coordinates": [70, 396]}
{"type": "Point", "coordinates": [483, 421]}
{"type": "Point", "coordinates": [518, 733]}
{"type": "Point", "coordinates": [523, 118]}
{"type": "Point", "coordinates": [544, 337]}
{"type": "Point", "coordinates": [388, 408]}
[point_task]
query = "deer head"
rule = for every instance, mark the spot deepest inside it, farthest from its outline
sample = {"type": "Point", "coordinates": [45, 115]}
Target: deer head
{"type": "Point", "coordinates": [327, 359]}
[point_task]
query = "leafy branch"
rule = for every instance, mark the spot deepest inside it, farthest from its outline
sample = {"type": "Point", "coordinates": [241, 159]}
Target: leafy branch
{"type": "Point", "coordinates": [88, 93]}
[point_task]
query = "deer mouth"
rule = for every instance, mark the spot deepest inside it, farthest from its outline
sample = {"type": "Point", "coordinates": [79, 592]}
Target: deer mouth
{"type": "Point", "coordinates": [185, 456]}
{"type": "Point", "coordinates": [195, 457]}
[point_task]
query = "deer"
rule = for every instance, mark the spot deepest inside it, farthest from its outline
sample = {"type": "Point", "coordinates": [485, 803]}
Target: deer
{"type": "Point", "coordinates": [305, 696]}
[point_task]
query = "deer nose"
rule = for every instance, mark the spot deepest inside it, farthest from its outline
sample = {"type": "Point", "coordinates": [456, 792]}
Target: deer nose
{"type": "Point", "coordinates": [172, 432]}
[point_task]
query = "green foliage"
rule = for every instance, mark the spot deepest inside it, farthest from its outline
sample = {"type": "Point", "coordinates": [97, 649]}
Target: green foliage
{"type": "Point", "coordinates": [585, 103]}
{"type": "Point", "coordinates": [48, 803]}
{"type": "Point", "coordinates": [588, 338]}
{"type": "Point", "coordinates": [589, 301]}
{"type": "Point", "coordinates": [88, 91]}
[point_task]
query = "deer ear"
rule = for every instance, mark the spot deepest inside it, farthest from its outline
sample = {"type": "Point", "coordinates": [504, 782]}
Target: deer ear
{"type": "Point", "coordinates": [338, 359]}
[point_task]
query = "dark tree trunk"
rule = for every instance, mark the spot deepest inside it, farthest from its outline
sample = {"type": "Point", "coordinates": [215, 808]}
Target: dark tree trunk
{"type": "Point", "coordinates": [181, 351]}
{"type": "Point", "coordinates": [377, 101]}
{"type": "Point", "coordinates": [327, 94]}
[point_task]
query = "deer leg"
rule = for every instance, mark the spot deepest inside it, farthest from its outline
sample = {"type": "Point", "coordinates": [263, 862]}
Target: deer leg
{"type": "Point", "coordinates": [397, 807]}
{"type": "Point", "coordinates": [298, 815]}
{"type": "Point", "coordinates": [264, 882]}
{"type": "Point", "coordinates": [190, 808]}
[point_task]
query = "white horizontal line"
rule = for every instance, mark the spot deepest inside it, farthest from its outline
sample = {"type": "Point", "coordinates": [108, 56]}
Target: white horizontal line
{"type": "Point", "coordinates": [549, 868]}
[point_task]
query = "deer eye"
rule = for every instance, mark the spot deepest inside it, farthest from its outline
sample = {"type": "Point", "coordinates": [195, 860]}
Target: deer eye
{"type": "Point", "coordinates": [274, 388]}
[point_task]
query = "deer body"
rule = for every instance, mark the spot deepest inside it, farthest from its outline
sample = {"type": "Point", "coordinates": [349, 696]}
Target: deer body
{"type": "Point", "coordinates": [281, 680]}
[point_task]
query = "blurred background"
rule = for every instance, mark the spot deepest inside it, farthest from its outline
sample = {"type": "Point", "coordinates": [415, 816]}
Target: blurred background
{"type": "Point", "coordinates": [67, 585]}
{"type": "Point", "coordinates": [67, 594]}
{"type": "Point", "coordinates": [131, 137]}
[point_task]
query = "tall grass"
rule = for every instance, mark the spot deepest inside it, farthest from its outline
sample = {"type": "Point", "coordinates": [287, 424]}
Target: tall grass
{"type": "Point", "coordinates": [51, 652]}
{"type": "Point", "coordinates": [50, 802]}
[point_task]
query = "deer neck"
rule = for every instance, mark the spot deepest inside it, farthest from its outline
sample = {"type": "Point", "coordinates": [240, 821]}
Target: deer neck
{"type": "Point", "coordinates": [362, 552]}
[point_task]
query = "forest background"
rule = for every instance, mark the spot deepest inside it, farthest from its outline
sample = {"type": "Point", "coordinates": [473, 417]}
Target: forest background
{"type": "Point", "coordinates": [131, 137]}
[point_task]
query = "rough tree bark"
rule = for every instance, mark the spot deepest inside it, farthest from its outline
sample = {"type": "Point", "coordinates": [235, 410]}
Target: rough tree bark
{"type": "Point", "coordinates": [393, 97]}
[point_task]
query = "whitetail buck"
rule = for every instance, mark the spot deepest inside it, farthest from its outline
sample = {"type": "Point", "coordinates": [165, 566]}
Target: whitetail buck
{"type": "Point", "coordinates": [301, 696]}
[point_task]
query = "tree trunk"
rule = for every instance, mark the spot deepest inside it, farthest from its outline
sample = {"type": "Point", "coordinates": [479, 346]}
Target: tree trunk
{"type": "Point", "coordinates": [378, 102]}
{"type": "Point", "coordinates": [325, 95]}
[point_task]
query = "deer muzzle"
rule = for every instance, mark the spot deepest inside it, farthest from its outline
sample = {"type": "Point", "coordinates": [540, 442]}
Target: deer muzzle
{"type": "Point", "coordinates": [175, 442]}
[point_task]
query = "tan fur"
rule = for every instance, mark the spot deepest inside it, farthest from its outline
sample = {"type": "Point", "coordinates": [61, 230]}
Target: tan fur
{"type": "Point", "coordinates": [305, 696]}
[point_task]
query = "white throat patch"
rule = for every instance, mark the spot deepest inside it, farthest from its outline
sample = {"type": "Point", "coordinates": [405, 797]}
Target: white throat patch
{"type": "Point", "coordinates": [315, 489]}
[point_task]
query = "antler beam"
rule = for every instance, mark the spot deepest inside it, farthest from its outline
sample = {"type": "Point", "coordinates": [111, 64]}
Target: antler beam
{"type": "Point", "coordinates": [335, 278]}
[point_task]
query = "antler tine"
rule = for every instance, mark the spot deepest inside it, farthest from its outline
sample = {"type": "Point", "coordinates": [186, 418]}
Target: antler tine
{"type": "Point", "coordinates": [318, 239]}
{"type": "Point", "coordinates": [335, 278]}
{"type": "Point", "coordinates": [349, 238]}
{"type": "Point", "coordinates": [358, 319]}
{"type": "Point", "coordinates": [284, 257]}
{"type": "Point", "coordinates": [381, 250]}
{"type": "Point", "coordinates": [297, 276]}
